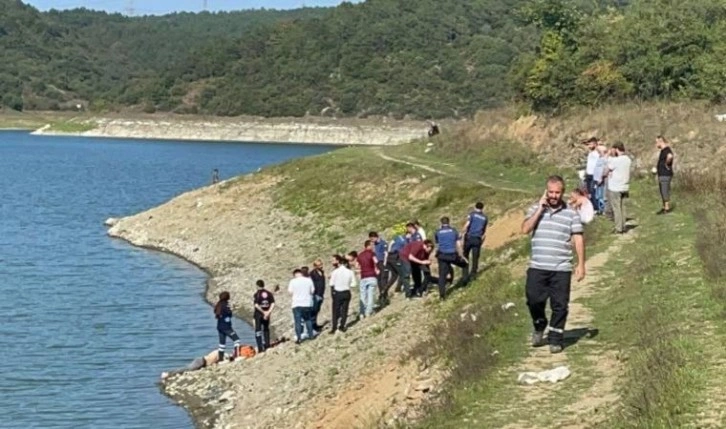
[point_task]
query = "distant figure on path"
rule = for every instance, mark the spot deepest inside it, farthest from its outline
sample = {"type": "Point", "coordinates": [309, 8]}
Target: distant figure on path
{"type": "Point", "coordinates": [555, 228]}
{"type": "Point", "coordinates": [215, 176]}
{"type": "Point", "coordinates": [264, 303]}
{"type": "Point", "coordinates": [433, 129]}
{"type": "Point", "coordinates": [224, 323]}
{"type": "Point", "coordinates": [600, 178]}
{"type": "Point", "coordinates": [317, 275]}
{"type": "Point", "coordinates": [368, 264]}
{"type": "Point", "coordinates": [665, 172]}
{"type": "Point", "coordinates": [301, 289]}
{"type": "Point", "coordinates": [447, 238]}
{"type": "Point", "coordinates": [592, 158]}
{"type": "Point", "coordinates": [342, 279]}
{"type": "Point", "coordinates": [619, 185]}
{"type": "Point", "coordinates": [475, 230]}
{"type": "Point", "coordinates": [582, 205]}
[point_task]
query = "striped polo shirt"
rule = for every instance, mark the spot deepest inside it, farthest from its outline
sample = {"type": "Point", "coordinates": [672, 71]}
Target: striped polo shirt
{"type": "Point", "coordinates": [552, 238]}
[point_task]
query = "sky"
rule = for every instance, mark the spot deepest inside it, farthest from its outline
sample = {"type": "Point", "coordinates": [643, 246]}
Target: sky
{"type": "Point", "coordinates": [156, 7]}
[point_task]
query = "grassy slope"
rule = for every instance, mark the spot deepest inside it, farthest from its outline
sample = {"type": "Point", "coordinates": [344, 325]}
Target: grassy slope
{"type": "Point", "coordinates": [355, 189]}
{"type": "Point", "coordinates": [654, 307]}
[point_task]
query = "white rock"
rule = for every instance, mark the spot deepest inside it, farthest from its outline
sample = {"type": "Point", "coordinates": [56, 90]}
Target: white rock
{"type": "Point", "coordinates": [507, 306]}
{"type": "Point", "coordinates": [111, 221]}
{"type": "Point", "coordinates": [552, 375]}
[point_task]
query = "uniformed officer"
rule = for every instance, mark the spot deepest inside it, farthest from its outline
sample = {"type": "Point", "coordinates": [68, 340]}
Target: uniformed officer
{"type": "Point", "coordinates": [447, 254]}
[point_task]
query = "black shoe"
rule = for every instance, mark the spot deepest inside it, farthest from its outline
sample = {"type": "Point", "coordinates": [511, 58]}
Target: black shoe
{"type": "Point", "coordinates": [661, 211]}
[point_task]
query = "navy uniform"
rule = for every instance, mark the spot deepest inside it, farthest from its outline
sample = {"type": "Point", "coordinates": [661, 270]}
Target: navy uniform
{"type": "Point", "coordinates": [446, 238]}
{"type": "Point", "coordinates": [224, 328]}
{"type": "Point", "coordinates": [380, 248]}
{"type": "Point", "coordinates": [477, 223]}
{"type": "Point", "coordinates": [393, 264]}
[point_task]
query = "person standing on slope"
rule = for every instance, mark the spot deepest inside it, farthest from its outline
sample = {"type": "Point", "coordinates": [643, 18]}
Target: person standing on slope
{"type": "Point", "coordinates": [317, 275]}
{"type": "Point", "coordinates": [447, 238]}
{"type": "Point", "coordinates": [301, 289]}
{"type": "Point", "coordinates": [368, 264]}
{"type": "Point", "coordinates": [474, 232]}
{"type": "Point", "coordinates": [665, 172]}
{"type": "Point", "coordinates": [619, 185]}
{"type": "Point", "coordinates": [224, 324]}
{"type": "Point", "coordinates": [342, 279]}
{"type": "Point", "coordinates": [380, 249]}
{"type": "Point", "coordinates": [264, 303]}
{"type": "Point", "coordinates": [555, 229]}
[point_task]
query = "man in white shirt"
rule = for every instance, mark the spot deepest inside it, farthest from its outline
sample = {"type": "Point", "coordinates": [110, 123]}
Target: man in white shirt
{"type": "Point", "coordinates": [619, 185]}
{"type": "Point", "coordinates": [592, 157]}
{"type": "Point", "coordinates": [301, 289]}
{"type": "Point", "coordinates": [342, 279]}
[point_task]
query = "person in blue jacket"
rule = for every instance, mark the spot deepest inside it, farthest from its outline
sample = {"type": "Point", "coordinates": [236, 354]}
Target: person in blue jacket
{"type": "Point", "coordinates": [224, 323]}
{"type": "Point", "coordinates": [447, 253]}
{"type": "Point", "coordinates": [474, 233]}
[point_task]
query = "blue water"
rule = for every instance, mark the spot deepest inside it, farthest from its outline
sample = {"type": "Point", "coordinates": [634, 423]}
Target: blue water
{"type": "Point", "coordinates": [89, 323]}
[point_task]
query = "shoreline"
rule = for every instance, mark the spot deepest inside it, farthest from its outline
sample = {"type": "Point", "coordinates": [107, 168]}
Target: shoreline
{"type": "Point", "coordinates": [269, 131]}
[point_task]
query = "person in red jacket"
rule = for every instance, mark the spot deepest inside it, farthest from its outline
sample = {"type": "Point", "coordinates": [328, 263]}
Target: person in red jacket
{"type": "Point", "coordinates": [414, 256]}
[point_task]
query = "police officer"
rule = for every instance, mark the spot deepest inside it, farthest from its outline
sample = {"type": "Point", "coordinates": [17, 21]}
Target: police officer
{"type": "Point", "coordinates": [394, 261]}
{"type": "Point", "coordinates": [380, 248]}
{"type": "Point", "coordinates": [447, 254]}
{"type": "Point", "coordinates": [474, 232]}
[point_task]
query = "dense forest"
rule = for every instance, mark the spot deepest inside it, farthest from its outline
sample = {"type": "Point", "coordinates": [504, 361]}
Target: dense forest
{"type": "Point", "coordinates": [423, 58]}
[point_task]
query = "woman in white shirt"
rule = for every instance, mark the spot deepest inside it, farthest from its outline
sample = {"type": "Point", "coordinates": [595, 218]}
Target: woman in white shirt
{"type": "Point", "coordinates": [580, 201]}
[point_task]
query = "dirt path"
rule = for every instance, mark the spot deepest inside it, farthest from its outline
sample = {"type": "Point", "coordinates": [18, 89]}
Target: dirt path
{"type": "Point", "coordinates": [444, 173]}
{"type": "Point", "coordinates": [579, 401]}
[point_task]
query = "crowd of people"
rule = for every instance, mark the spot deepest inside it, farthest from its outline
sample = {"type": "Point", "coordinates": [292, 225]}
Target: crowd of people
{"type": "Point", "coordinates": [555, 226]}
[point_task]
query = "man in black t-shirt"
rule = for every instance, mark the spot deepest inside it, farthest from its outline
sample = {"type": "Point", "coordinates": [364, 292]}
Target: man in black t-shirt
{"type": "Point", "coordinates": [665, 172]}
{"type": "Point", "coordinates": [264, 303]}
{"type": "Point", "coordinates": [317, 275]}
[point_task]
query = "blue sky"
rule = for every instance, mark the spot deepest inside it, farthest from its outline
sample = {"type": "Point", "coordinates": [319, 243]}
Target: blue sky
{"type": "Point", "coordinates": [165, 6]}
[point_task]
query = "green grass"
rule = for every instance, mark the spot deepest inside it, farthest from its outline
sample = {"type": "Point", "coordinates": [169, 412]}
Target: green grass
{"type": "Point", "coordinates": [72, 126]}
{"type": "Point", "coordinates": [354, 189]}
{"type": "Point", "coordinates": [652, 307]}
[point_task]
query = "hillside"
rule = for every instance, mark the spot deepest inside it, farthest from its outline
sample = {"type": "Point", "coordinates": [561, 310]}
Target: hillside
{"type": "Point", "coordinates": [646, 327]}
{"type": "Point", "coordinates": [423, 59]}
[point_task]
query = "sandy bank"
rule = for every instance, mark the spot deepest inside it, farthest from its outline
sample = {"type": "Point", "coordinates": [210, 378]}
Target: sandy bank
{"type": "Point", "coordinates": [247, 130]}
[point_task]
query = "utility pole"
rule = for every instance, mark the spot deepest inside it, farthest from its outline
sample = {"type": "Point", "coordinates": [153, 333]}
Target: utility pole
{"type": "Point", "coordinates": [130, 7]}
{"type": "Point", "coordinates": [204, 8]}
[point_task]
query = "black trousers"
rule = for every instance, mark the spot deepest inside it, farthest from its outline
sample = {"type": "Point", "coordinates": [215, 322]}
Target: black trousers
{"type": "Point", "coordinates": [393, 266]}
{"type": "Point", "coordinates": [262, 332]}
{"type": "Point", "coordinates": [341, 302]}
{"type": "Point", "coordinates": [446, 260]}
{"type": "Point", "coordinates": [382, 281]}
{"type": "Point", "coordinates": [472, 252]}
{"type": "Point", "coordinates": [555, 286]}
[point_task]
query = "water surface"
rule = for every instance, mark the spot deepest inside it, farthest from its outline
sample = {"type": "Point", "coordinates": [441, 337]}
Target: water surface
{"type": "Point", "coordinates": [89, 322]}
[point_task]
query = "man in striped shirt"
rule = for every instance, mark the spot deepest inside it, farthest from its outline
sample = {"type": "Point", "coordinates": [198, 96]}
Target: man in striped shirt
{"type": "Point", "coordinates": [555, 228]}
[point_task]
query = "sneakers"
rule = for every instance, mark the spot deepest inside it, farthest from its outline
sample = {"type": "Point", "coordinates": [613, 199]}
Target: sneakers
{"type": "Point", "coordinates": [538, 339]}
{"type": "Point", "coordinates": [555, 348]}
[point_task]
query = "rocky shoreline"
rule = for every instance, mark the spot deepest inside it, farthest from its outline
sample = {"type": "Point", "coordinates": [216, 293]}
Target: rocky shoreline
{"type": "Point", "coordinates": [330, 132]}
{"type": "Point", "coordinates": [206, 227]}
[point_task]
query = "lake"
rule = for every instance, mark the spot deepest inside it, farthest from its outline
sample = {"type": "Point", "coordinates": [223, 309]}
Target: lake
{"type": "Point", "coordinates": [89, 322]}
